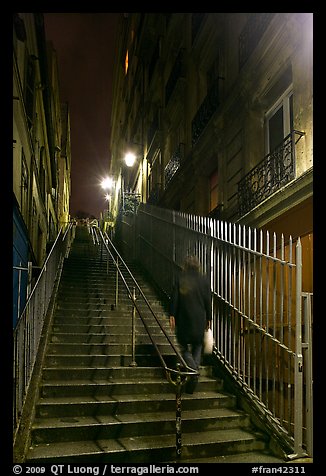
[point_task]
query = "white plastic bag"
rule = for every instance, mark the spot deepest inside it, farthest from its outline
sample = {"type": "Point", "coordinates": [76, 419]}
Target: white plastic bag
{"type": "Point", "coordinates": [208, 342]}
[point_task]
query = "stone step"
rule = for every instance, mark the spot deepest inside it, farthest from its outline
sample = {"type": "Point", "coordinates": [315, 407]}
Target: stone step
{"type": "Point", "coordinates": [141, 337]}
{"type": "Point", "coordinates": [107, 349]}
{"type": "Point", "coordinates": [148, 449]}
{"type": "Point", "coordinates": [113, 327]}
{"type": "Point", "coordinates": [92, 406]}
{"type": "Point", "coordinates": [250, 457]}
{"type": "Point", "coordinates": [116, 387]}
{"type": "Point", "coordinates": [133, 425]}
{"type": "Point", "coordinates": [93, 296]}
{"type": "Point", "coordinates": [118, 360]}
{"type": "Point", "coordinates": [85, 316]}
{"type": "Point", "coordinates": [104, 310]}
{"type": "Point", "coordinates": [90, 373]}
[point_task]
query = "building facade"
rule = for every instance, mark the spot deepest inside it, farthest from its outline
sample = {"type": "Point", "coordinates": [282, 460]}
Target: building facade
{"type": "Point", "coordinates": [217, 108]}
{"type": "Point", "coordinates": [41, 152]}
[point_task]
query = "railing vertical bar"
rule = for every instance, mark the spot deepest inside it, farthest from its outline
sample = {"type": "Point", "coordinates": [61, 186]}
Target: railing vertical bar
{"type": "Point", "coordinates": [199, 243]}
{"type": "Point", "coordinates": [217, 282]}
{"type": "Point", "coordinates": [308, 372]}
{"type": "Point", "coordinates": [224, 224]}
{"type": "Point", "coordinates": [249, 308]}
{"type": "Point", "coordinates": [234, 311]}
{"type": "Point", "coordinates": [261, 315]}
{"type": "Point", "coordinates": [221, 304]}
{"type": "Point", "coordinates": [244, 305]}
{"type": "Point", "coordinates": [267, 286]}
{"type": "Point", "coordinates": [298, 368]}
{"type": "Point", "coordinates": [212, 276]}
{"type": "Point", "coordinates": [133, 362]}
{"type": "Point", "coordinates": [226, 238]}
{"type": "Point", "coordinates": [235, 296]}
{"type": "Point", "coordinates": [216, 288]}
{"type": "Point", "coordinates": [208, 245]}
{"type": "Point", "coordinates": [274, 288]}
{"type": "Point", "coordinates": [239, 301]}
{"type": "Point", "coordinates": [202, 244]}
{"type": "Point", "coordinates": [230, 294]}
{"type": "Point", "coordinates": [289, 396]}
{"type": "Point", "coordinates": [254, 312]}
{"type": "Point", "coordinates": [281, 300]}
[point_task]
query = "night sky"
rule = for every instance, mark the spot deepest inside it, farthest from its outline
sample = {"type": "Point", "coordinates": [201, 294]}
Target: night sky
{"type": "Point", "coordinates": [85, 46]}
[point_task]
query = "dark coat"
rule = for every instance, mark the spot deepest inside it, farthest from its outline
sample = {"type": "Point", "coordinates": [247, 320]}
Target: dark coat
{"type": "Point", "coordinates": [191, 306]}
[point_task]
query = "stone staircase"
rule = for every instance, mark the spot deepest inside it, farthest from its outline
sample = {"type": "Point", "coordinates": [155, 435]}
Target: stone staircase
{"type": "Point", "coordinates": [95, 407]}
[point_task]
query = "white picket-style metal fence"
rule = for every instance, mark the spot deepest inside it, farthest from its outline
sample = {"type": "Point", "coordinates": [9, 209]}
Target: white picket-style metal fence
{"type": "Point", "coordinates": [262, 319]}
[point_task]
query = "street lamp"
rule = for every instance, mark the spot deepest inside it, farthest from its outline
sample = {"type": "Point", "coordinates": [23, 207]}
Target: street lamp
{"type": "Point", "coordinates": [130, 159]}
{"type": "Point", "coordinates": [107, 183]}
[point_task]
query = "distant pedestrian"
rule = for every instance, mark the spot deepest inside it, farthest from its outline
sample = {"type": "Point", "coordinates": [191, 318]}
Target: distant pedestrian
{"type": "Point", "coordinates": [190, 314]}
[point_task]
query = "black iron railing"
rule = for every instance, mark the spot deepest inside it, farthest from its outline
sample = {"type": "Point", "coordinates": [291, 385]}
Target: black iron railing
{"type": "Point", "coordinates": [130, 202]}
{"type": "Point", "coordinates": [173, 165]}
{"type": "Point", "coordinates": [273, 172]}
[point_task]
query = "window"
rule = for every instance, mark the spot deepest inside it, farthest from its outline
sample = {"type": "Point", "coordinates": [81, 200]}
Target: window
{"type": "Point", "coordinates": [29, 91]}
{"type": "Point", "coordinates": [42, 173]}
{"type": "Point", "coordinates": [279, 121]}
{"type": "Point", "coordinates": [24, 185]}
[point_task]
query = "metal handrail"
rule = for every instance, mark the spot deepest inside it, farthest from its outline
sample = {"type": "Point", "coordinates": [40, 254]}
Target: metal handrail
{"type": "Point", "coordinates": [44, 268]}
{"type": "Point", "coordinates": [181, 376]}
{"type": "Point", "coordinates": [27, 333]}
{"type": "Point", "coordinates": [105, 239]}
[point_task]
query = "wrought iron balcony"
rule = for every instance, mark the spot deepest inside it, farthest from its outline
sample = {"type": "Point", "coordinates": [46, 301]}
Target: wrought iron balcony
{"type": "Point", "coordinates": [173, 165]}
{"type": "Point", "coordinates": [205, 112]}
{"type": "Point", "coordinates": [130, 202]}
{"type": "Point", "coordinates": [271, 174]}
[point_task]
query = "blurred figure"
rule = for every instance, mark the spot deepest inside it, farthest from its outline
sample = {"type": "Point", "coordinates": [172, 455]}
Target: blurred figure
{"type": "Point", "coordinates": [190, 314]}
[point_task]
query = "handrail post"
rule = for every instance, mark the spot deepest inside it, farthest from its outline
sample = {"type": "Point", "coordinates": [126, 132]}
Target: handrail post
{"type": "Point", "coordinates": [178, 414]}
{"type": "Point", "coordinates": [107, 262]}
{"type": "Point", "coordinates": [117, 284]}
{"type": "Point", "coordinates": [133, 362]}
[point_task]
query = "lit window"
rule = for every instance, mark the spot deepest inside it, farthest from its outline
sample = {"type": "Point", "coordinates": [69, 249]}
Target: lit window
{"type": "Point", "coordinates": [279, 121]}
{"type": "Point", "coordinates": [126, 62]}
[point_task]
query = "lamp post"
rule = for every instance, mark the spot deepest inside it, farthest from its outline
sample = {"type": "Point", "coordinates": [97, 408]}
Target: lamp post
{"type": "Point", "coordinates": [107, 184]}
{"type": "Point", "coordinates": [130, 159]}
